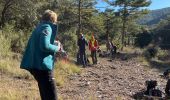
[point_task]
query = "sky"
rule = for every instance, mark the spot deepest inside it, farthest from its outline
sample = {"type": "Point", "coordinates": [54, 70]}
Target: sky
{"type": "Point", "coordinates": [156, 4]}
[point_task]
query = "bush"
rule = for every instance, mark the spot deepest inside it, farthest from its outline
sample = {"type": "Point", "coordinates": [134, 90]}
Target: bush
{"type": "Point", "coordinates": [17, 38]}
{"type": "Point", "coordinates": [69, 41]}
{"type": "Point", "coordinates": [142, 40]}
{"type": "Point", "coordinates": [150, 53]}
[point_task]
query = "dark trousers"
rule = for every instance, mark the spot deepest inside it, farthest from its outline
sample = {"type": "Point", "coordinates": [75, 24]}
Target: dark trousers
{"type": "Point", "coordinates": [94, 57]}
{"type": "Point", "coordinates": [167, 89]}
{"type": "Point", "coordinates": [46, 84]}
{"type": "Point", "coordinates": [83, 58]}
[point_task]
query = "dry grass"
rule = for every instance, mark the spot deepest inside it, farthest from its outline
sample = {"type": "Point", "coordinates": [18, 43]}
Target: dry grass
{"type": "Point", "coordinates": [11, 67]}
{"type": "Point", "coordinates": [18, 84]}
{"type": "Point", "coordinates": [63, 70]}
{"type": "Point", "coordinates": [15, 89]}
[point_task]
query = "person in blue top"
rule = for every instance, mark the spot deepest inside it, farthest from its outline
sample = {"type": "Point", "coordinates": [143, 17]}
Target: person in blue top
{"type": "Point", "coordinates": [39, 58]}
{"type": "Point", "coordinates": [82, 49]}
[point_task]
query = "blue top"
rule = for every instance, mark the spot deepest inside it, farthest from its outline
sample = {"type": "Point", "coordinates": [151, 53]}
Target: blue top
{"type": "Point", "coordinates": [40, 50]}
{"type": "Point", "coordinates": [82, 44]}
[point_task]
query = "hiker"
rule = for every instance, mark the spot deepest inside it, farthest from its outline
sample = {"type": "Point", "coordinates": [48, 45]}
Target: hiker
{"type": "Point", "coordinates": [93, 47]}
{"type": "Point", "coordinates": [113, 49]}
{"type": "Point", "coordinates": [38, 58]}
{"type": "Point", "coordinates": [82, 49]}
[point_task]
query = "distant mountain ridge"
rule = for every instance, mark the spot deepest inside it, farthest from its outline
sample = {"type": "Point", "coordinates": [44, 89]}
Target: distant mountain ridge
{"type": "Point", "coordinates": [154, 17]}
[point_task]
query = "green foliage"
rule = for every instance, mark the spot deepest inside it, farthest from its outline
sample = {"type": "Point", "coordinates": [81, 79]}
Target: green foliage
{"type": "Point", "coordinates": [21, 16]}
{"type": "Point", "coordinates": [150, 52]}
{"type": "Point", "coordinates": [161, 34]}
{"type": "Point", "coordinates": [117, 43]}
{"type": "Point", "coordinates": [20, 12]}
{"type": "Point", "coordinates": [16, 39]}
{"type": "Point", "coordinates": [69, 40]}
{"type": "Point", "coordinates": [128, 12]}
{"type": "Point", "coordinates": [143, 39]}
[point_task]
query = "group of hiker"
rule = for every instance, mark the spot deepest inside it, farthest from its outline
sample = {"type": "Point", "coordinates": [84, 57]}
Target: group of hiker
{"type": "Point", "coordinates": [41, 49]}
{"type": "Point", "coordinates": [93, 47]}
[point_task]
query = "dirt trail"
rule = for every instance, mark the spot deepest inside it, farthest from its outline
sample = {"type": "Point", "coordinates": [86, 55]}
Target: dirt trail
{"type": "Point", "coordinates": [116, 80]}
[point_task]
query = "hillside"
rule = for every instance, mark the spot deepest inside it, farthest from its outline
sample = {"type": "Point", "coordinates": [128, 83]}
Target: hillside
{"type": "Point", "coordinates": [154, 16]}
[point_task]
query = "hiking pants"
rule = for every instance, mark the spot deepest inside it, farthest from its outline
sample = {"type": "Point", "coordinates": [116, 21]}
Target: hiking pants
{"type": "Point", "coordinates": [94, 57]}
{"type": "Point", "coordinates": [46, 84]}
{"type": "Point", "coordinates": [83, 58]}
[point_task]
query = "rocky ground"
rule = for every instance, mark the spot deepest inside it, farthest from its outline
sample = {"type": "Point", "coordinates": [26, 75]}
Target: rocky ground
{"type": "Point", "coordinates": [111, 80]}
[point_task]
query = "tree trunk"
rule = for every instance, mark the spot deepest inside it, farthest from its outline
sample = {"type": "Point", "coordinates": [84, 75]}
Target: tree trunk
{"type": "Point", "coordinates": [79, 17]}
{"type": "Point", "coordinates": [123, 31]}
{"type": "Point", "coordinates": [124, 26]}
{"type": "Point", "coordinates": [128, 43]}
{"type": "Point", "coordinates": [107, 29]}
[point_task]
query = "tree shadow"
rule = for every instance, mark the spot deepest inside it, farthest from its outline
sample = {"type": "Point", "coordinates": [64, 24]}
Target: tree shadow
{"type": "Point", "coordinates": [141, 96]}
{"type": "Point", "coordinates": [162, 66]}
{"type": "Point", "coordinates": [126, 56]}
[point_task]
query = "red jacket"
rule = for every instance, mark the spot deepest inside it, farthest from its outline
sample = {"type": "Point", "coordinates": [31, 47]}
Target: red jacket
{"type": "Point", "coordinates": [93, 47]}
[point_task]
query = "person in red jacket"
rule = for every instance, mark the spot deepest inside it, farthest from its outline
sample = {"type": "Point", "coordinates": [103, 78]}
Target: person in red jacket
{"type": "Point", "coordinates": [93, 47]}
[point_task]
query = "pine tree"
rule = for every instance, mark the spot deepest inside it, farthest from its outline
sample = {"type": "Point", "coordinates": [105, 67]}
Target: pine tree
{"type": "Point", "coordinates": [127, 8]}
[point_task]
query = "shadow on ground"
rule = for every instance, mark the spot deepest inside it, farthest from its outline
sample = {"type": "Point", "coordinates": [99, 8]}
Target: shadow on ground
{"type": "Point", "coordinates": [139, 95]}
{"type": "Point", "coordinates": [162, 66]}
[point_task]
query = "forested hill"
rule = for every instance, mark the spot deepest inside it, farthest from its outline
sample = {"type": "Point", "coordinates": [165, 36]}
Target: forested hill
{"type": "Point", "coordinates": [155, 16]}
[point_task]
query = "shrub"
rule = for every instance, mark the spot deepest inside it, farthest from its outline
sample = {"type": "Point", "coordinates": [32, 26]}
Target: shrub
{"type": "Point", "coordinates": [17, 38]}
{"type": "Point", "coordinates": [142, 40]}
{"type": "Point", "coordinates": [69, 41]}
{"type": "Point", "coordinates": [150, 52]}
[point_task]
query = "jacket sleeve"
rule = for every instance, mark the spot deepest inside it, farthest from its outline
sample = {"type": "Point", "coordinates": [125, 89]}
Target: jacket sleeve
{"type": "Point", "coordinates": [45, 37]}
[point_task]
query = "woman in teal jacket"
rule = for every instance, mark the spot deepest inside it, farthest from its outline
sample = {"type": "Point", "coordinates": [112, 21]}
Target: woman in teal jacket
{"type": "Point", "coordinates": [39, 58]}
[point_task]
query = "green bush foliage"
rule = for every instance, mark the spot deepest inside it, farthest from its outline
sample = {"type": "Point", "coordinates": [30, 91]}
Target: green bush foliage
{"type": "Point", "coordinates": [143, 39]}
{"type": "Point", "coordinates": [150, 52]}
{"type": "Point", "coordinates": [69, 41]}
{"type": "Point", "coordinates": [17, 39]}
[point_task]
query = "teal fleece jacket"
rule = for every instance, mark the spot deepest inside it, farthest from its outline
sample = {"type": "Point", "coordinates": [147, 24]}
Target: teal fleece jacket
{"type": "Point", "coordinates": [40, 50]}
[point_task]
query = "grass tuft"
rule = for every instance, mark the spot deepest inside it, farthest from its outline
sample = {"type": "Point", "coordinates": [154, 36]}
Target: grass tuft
{"type": "Point", "coordinates": [63, 70]}
{"type": "Point", "coordinates": [18, 84]}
